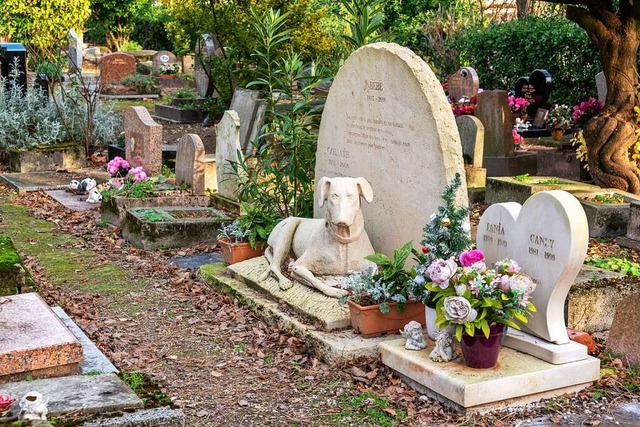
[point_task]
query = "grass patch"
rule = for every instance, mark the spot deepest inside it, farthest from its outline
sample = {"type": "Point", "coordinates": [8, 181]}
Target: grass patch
{"type": "Point", "coordinates": [64, 258]}
{"type": "Point", "coordinates": [620, 265]}
{"type": "Point", "coordinates": [146, 389]}
{"type": "Point", "coordinates": [366, 409]}
{"type": "Point", "coordinates": [122, 104]}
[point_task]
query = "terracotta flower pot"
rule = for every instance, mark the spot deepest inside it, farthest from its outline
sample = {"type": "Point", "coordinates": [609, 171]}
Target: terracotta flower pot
{"type": "Point", "coordinates": [370, 322]}
{"type": "Point", "coordinates": [238, 252]}
{"type": "Point", "coordinates": [557, 134]}
{"type": "Point", "coordinates": [479, 351]}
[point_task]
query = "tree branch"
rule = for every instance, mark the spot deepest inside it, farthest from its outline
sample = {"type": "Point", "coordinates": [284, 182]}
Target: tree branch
{"type": "Point", "coordinates": [596, 30]}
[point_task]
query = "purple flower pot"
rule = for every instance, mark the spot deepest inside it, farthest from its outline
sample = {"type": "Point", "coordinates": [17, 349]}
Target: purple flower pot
{"type": "Point", "coordinates": [479, 351]}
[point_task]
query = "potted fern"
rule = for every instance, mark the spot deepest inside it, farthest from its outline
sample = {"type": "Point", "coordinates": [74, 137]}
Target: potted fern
{"type": "Point", "coordinates": [379, 297]}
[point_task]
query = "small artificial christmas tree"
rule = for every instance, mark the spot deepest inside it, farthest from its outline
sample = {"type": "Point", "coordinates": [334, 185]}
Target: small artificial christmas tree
{"type": "Point", "coordinates": [446, 235]}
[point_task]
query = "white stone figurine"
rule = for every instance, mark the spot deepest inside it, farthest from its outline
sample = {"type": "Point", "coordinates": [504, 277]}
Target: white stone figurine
{"type": "Point", "coordinates": [413, 333]}
{"type": "Point", "coordinates": [94, 196]}
{"type": "Point", "coordinates": [73, 185]}
{"type": "Point", "coordinates": [443, 351]}
{"type": "Point", "coordinates": [33, 406]}
{"type": "Point", "coordinates": [334, 245]}
{"type": "Point", "coordinates": [521, 124]}
{"type": "Point", "coordinates": [86, 185]}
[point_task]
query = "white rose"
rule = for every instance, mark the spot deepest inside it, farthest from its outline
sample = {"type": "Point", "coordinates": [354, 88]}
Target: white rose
{"type": "Point", "coordinates": [521, 283]}
{"type": "Point", "coordinates": [466, 227]}
{"type": "Point", "coordinates": [458, 310]}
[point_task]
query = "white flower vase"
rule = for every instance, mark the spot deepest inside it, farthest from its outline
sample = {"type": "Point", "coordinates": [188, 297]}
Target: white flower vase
{"type": "Point", "coordinates": [432, 329]}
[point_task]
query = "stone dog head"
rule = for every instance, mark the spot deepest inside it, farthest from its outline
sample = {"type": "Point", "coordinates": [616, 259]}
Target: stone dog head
{"type": "Point", "coordinates": [342, 196]}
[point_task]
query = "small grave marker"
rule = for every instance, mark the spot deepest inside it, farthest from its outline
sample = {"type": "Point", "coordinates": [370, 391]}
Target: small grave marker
{"type": "Point", "coordinates": [535, 89]}
{"type": "Point", "coordinates": [190, 163]}
{"type": "Point", "coordinates": [227, 147]}
{"type": "Point", "coordinates": [143, 140]}
{"type": "Point", "coordinates": [116, 66]}
{"type": "Point", "coordinates": [75, 49]}
{"type": "Point", "coordinates": [464, 84]}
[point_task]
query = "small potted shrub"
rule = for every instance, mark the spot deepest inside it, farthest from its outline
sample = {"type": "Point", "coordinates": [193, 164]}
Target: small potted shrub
{"type": "Point", "coordinates": [379, 297]}
{"type": "Point", "coordinates": [246, 237]}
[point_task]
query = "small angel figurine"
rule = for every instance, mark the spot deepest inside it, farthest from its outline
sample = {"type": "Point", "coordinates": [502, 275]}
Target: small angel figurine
{"type": "Point", "coordinates": [443, 351]}
{"type": "Point", "coordinates": [413, 333]}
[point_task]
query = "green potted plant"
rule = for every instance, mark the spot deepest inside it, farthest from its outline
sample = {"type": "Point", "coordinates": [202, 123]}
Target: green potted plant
{"type": "Point", "coordinates": [379, 299]}
{"type": "Point", "coordinates": [246, 237]}
{"type": "Point", "coordinates": [559, 120]}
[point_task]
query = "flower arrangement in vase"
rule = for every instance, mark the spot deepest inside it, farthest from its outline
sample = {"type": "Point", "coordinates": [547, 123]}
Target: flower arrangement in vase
{"type": "Point", "coordinates": [518, 107]}
{"type": "Point", "coordinates": [559, 120]}
{"type": "Point", "coordinates": [379, 297]}
{"type": "Point", "coordinates": [479, 302]}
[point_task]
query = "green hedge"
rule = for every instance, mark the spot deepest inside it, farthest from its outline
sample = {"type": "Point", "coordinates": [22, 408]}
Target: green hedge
{"type": "Point", "coordinates": [501, 53]}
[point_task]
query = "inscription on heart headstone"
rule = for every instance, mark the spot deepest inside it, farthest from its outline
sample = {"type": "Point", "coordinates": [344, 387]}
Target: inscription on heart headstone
{"type": "Point", "coordinates": [548, 237]}
{"type": "Point", "coordinates": [464, 84]}
{"type": "Point", "coordinates": [535, 89]}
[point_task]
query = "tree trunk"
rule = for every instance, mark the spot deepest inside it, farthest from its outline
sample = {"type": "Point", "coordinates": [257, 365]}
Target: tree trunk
{"type": "Point", "coordinates": [524, 8]}
{"type": "Point", "coordinates": [610, 136]}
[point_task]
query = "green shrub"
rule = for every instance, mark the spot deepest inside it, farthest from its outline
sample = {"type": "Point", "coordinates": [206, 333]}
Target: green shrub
{"type": "Point", "coordinates": [620, 265]}
{"type": "Point", "coordinates": [142, 84]}
{"type": "Point", "coordinates": [130, 46]}
{"type": "Point", "coordinates": [501, 53]}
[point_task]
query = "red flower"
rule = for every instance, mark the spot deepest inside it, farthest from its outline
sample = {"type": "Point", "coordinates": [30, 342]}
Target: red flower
{"type": "Point", "coordinates": [425, 250]}
{"type": "Point", "coordinates": [5, 402]}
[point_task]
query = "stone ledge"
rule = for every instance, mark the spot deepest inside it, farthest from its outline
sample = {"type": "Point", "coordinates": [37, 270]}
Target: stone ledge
{"type": "Point", "coordinates": [84, 394]}
{"type": "Point", "coordinates": [517, 378]}
{"type": "Point", "coordinates": [155, 417]}
{"type": "Point", "coordinates": [330, 346]}
{"type": "Point", "coordinates": [304, 300]}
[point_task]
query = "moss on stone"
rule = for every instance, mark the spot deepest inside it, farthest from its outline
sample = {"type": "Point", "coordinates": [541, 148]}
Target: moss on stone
{"type": "Point", "coordinates": [64, 259]}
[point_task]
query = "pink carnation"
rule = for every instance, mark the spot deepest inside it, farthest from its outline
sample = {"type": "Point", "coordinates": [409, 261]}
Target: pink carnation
{"type": "Point", "coordinates": [517, 138]}
{"type": "Point", "coordinates": [116, 165]}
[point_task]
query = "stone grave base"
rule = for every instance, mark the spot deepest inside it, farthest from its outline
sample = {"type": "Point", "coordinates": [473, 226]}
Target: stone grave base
{"type": "Point", "coordinates": [605, 219]}
{"type": "Point", "coordinates": [62, 156]}
{"type": "Point", "coordinates": [35, 341]}
{"type": "Point", "coordinates": [306, 301]}
{"type": "Point", "coordinates": [521, 163]}
{"type": "Point", "coordinates": [517, 379]}
{"type": "Point", "coordinates": [35, 181]}
{"type": "Point", "coordinates": [178, 115]}
{"type": "Point", "coordinates": [506, 189]}
{"type": "Point", "coordinates": [476, 177]}
{"type": "Point", "coordinates": [114, 210]}
{"type": "Point", "coordinates": [561, 164]}
{"type": "Point", "coordinates": [181, 226]}
{"type": "Point", "coordinates": [221, 202]}
{"type": "Point", "coordinates": [333, 346]}
{"type": "Point", "coordinates": [72, 201]}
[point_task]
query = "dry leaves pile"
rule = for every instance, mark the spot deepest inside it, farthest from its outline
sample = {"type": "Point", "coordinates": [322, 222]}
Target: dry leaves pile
{"type": "Point", "coordinates": [214, 358]}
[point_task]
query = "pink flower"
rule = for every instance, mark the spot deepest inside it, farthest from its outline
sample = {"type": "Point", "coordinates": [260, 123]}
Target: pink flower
{"type": "Point", "coordinates": [441, 271]}
{"type": "Point", "coordinates": [517, 138]}
{"type": "Point", "coordinates": [118, 164]}
{"type": "Point", "coordinates": [5, 402]}
{"type": "Point", "coordinates": [503, 282]}
{"type": "Point", "coordinates": [138, 174]}
{"type": "Point", "coordinates": [469, 258]}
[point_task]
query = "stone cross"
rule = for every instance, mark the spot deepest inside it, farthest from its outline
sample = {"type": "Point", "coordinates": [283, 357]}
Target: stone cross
{"type": "Point", "coordinates": [190, 164]}
{"type": "Point", "coordinates": [548, 237]}
{"type": "Point", "coordinates": [143, 140]}
{"type": "Point", "coordinates": [227, 147]}
{"type": "Point", "coordinates": [75, 49]}
{"type": "Point", "coordinates": [387, 119]}
{"type": "Point", "coordinates": [463, 84]}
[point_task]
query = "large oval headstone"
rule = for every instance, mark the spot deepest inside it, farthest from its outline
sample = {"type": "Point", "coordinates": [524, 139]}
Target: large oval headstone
{"type": "Point", "coordinates": [548, 237]}
{"type": "Point", "coordinates": [388, 120]}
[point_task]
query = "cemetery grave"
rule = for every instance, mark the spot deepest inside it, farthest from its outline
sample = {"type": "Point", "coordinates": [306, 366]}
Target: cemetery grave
{"type": "Point", "coordinates": [382, 161]}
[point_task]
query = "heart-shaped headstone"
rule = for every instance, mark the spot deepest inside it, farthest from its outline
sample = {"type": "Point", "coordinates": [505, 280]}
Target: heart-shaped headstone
{"type": "Point", "coordinates": [548, 237]}
{"type": "Point", "coordinates": [535, 89]}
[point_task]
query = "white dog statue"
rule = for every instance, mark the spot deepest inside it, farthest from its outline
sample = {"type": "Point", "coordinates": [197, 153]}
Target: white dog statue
{"type": "Point", "coordinates": [94, 196]}
{"type": "Point", "coordinates": [33, 406]}
{"type": "Point", "coordinates": [334, 245]}
{"type": "Point", "coordinates": [86, 185]}
{"type": "Point", "coordinates": [413, 333]}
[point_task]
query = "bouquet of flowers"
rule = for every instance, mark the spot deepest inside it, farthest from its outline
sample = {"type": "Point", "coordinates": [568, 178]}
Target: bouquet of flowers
{"type": "Point", "coordinates": [471, 296]}
{"type": "Point", "coordinates": [173, 68]}
{"type": "Point", "coordinates": [118, 167]}
{"type": "Point", "coordinates": [585, 110]}
{"type": "Point", "coordinates": [559, 117]}
{"type": "Point", "coordinates": [518, 105]}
